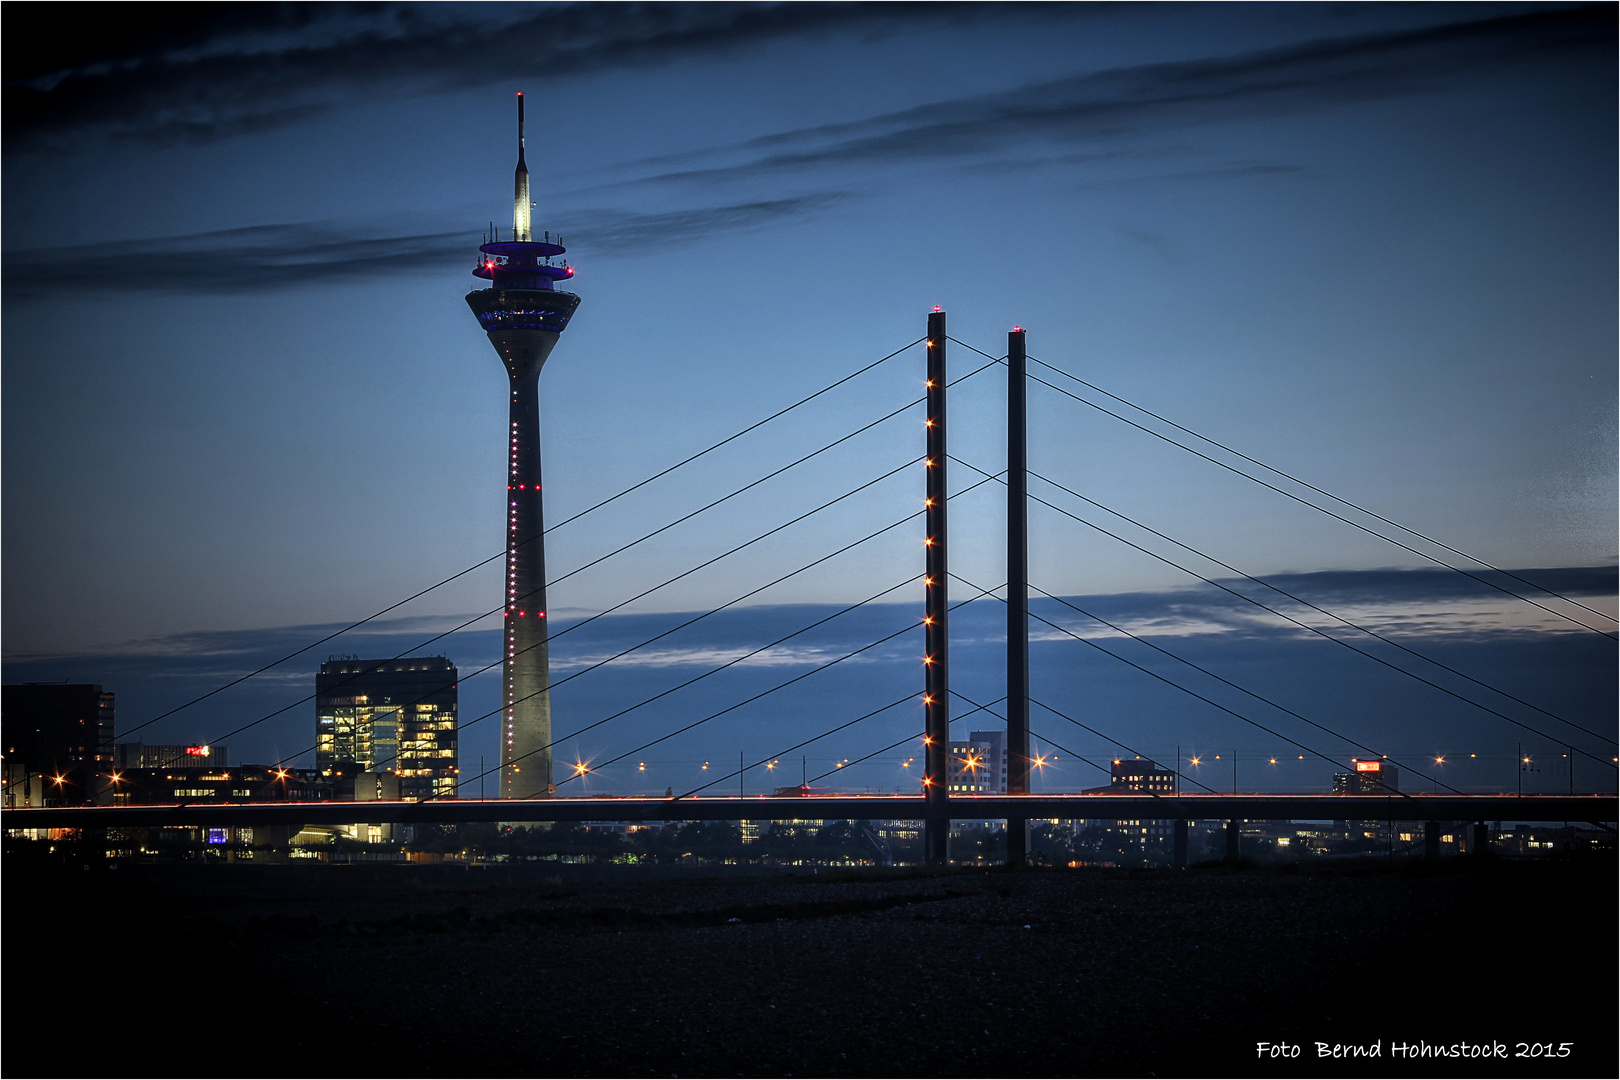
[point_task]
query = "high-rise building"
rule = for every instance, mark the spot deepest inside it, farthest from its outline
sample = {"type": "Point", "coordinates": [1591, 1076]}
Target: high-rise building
{"type": "Point", "coordinates": [523, 314]}
{"type": "Point", "coordinates": [979, 764]}
{"type": "Point", "coordinates": [58, 743]}
{"type": "Point", "coordinates": [1128, 776]}
{"type": "Point", "coordinates": [390, 717]}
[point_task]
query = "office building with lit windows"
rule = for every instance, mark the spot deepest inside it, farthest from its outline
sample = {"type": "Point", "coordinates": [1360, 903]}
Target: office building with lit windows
{"type": "Point", "coordinates": [979, 764]}
{"type": "Point", "coordinates": [394, 718]}
{"type": "Point", "coordinates": [1134, 776]}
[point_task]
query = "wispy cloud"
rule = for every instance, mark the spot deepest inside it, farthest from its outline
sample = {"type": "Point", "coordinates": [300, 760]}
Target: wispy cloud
{"type": "Point", "coordinates": [231, 69]}
{"type": "Point", "coordinates": [713, 656]}
{"type": "Point", "coordinates": [268, 257]}
{"type": "Point", "coordinates": [1411, 620]}
{"type": "Point", "coordinates": [1113, 106]}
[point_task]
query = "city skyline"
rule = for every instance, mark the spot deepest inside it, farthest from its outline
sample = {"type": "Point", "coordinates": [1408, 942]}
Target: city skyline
{"type": "Point", "coordinates": [1372, 246]}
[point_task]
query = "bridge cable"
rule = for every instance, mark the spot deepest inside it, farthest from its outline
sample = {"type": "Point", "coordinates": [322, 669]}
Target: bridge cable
{"type": "Point", "coordinates": [503, 551]}
{"type": "Point", "coordinates": [868, 757]}
{"type": "Point", "coordinates": [824, 558]}
{"type": "Point", "coordinates": [1329, 494]}
{"type": "Point", "coordinates": [1405, 547]}
{"type": "Point", "coordinates": [631, 544]}
{"type": "Point", "coordinates": [733, 437]}
{"type": "Point", "coordinates": [308, 647]}
{"type": "Point", "coordinates": [1185, 690]}
{"type": "Point", "coordinates": [1324, 611]}
{"type": "Point", "coordinates": [772, 757]}
{"type": "Point", "coordinates": [467, 724]}
{"type": "Point", "coordinates": [1071, 753]}
{"type": "Point", "coordinates": [883, 750]}
{"type": "Point", "coordinates": [739, 491]}
{"type": "Point", "coordinates": [648, 536]}
{"type": "Point", "coordinates": [830, 731]}
{"type": "Point", "coordinates": [574, 626]}
{"type": "Point", "coordinates": [598, 615]}
{"type": "Point", "coordinates": [1296, 622]}
{"type": "Point", "coordinates": [1233, 685]}
{"type": "Point", "coordinates": [1110, 772]}
{"type": "Point", "coordinates": [772, 690]}
{"type": "Point", "coordinates": [762, 479]}
{"type": "Point", "coordinates": [704, 675]}
{"type": "Point", "coordinates": [1108, 738]}
{"type": "Point", "coordinates": [1439, 562]}
{"type": "Point", "coordinates": [564, 577]}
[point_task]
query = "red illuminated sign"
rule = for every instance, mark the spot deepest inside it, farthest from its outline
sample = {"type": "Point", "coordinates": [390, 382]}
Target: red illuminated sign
{"type": "Point", "coordinates": [197, 751]}
{"type": "Point", "coordinates": [1368, 766]}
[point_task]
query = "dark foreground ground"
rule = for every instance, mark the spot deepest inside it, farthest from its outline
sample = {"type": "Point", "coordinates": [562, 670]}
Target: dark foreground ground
{"type": "Point", "coordinates": [439, 971]}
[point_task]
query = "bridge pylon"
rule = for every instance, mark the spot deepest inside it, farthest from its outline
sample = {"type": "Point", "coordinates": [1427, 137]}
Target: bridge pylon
{"type": "Point", "coordinates": [936, 652]}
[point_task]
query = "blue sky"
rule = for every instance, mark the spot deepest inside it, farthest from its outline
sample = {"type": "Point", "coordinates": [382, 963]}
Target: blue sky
{"type": "Point", "coordinates": [1371, 245]}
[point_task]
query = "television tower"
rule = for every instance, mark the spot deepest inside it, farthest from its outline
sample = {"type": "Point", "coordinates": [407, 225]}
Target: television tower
{"type": "Point", "coordinates": [523, 314]}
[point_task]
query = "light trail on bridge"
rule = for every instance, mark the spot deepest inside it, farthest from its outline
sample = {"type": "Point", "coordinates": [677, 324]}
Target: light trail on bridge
{"type": "Point", "coordinates": [1597, 809]}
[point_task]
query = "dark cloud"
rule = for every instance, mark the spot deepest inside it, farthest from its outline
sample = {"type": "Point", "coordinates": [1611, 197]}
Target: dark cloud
{"type": "Point", "coordinates": [266, 257]}
{"type": "Point", "coordinates": [1411, 586]}
{"type": "Point", "coordinates": [164, 75]}
{"type": "Point", "coordinates": [1116, 104]}
{"type": "Point", "coordinates": [83, 36]}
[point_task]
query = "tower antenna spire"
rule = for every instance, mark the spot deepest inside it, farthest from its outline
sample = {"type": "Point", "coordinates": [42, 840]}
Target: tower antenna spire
{"type": "Point", "coordinates": [520, 186]}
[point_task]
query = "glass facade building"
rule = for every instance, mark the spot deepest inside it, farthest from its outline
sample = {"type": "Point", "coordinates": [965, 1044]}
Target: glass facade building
{"type": "Point", "coordinates": [393, 717]}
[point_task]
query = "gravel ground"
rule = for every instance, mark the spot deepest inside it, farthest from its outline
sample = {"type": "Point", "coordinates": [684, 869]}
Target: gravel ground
{"type": "Point", "coordinates": [440, 971]}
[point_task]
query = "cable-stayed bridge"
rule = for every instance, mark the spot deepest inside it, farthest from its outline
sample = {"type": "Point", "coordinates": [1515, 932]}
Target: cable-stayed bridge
{"type": "Point", "coordinates": [943, 590]}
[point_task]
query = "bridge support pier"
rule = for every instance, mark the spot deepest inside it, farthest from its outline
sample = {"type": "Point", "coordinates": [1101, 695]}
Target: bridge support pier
{"type": "Point", "coordinates": [1482, 839]}
{"type": "Point", "coordinates": [1431, 840]}
{"type": "Point", "coordinates": [1231, 840]}
{"type": "Point", "coordinates": [1179, 856]}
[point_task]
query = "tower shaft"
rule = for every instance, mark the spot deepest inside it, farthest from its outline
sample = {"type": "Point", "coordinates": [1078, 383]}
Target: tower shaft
{"type": "Point", "coordinates": [523, 326]}
{"type": "Point", "coordinates": [526, 672]}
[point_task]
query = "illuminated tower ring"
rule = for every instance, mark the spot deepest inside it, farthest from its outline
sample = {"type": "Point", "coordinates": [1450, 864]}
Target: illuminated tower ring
{"type": "Point", "coordinates": [523, 314]}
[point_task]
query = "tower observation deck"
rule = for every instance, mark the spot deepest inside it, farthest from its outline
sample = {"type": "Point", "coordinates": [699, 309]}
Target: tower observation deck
{"type": "Point", "coordinates": [524, 313]}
